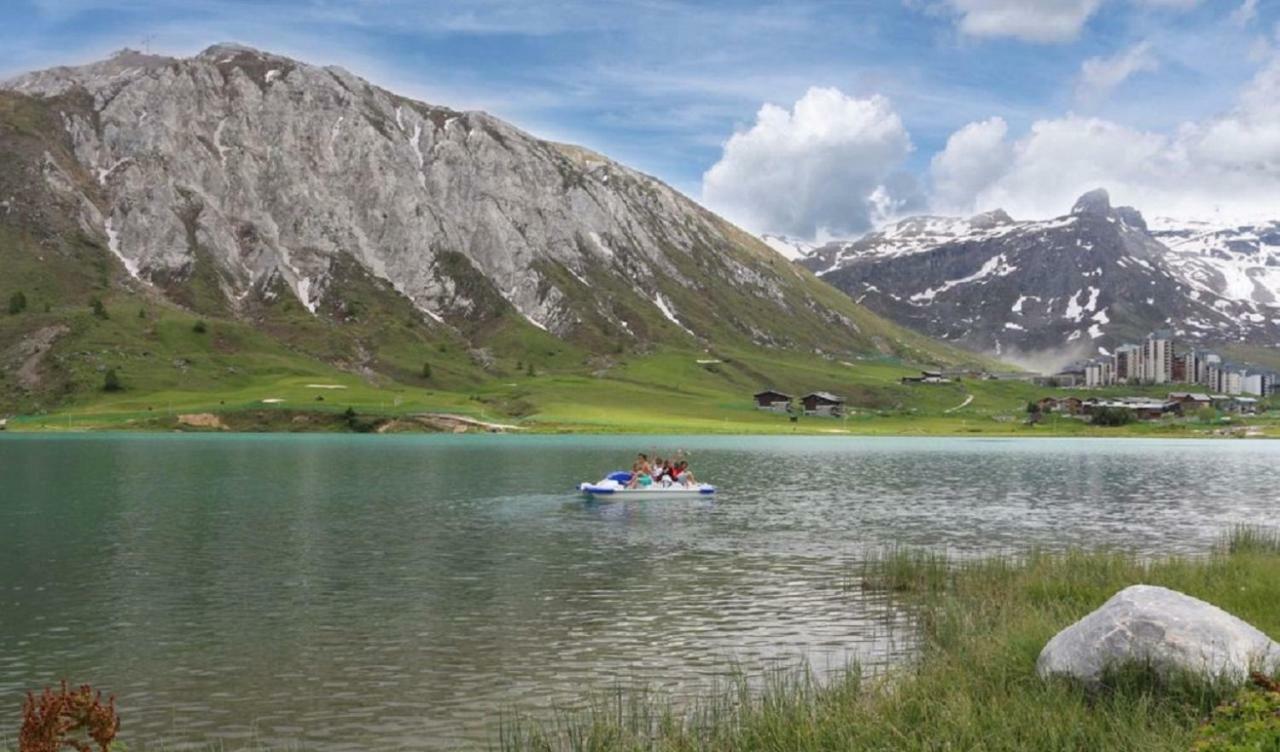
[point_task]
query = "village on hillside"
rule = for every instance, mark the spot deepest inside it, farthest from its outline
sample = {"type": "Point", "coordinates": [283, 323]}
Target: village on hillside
{"type": "Point", "coordinates": [1224, 387]}
{"type": "Point", "coordinates": [1227, 387]}
{"type": "Point", "coordinates": [1158, 361]}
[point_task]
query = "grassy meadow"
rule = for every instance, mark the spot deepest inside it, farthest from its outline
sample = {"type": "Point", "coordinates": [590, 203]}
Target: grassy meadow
{"type": "Point", "coordinates": [982, 624]}
{"type": "Point", "coordinates": [167, 367]}
{"type": "Point", "coordinates": [662, 392]}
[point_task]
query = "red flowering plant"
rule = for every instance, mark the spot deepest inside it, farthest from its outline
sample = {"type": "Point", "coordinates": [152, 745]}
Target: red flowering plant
{"type": "Point", "coordinates": [68, 719]}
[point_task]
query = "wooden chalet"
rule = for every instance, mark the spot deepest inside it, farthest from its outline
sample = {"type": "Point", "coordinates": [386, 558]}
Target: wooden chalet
{"type": "Point", "coordinates": [1191, 401]}
{"type": "Point", "coordinates": [772, 399]}
{"type": "Point", "coordinates": [823, 403]}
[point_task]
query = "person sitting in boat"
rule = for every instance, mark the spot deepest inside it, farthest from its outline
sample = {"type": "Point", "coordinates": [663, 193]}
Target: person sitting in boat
{"type": "Point", "coordinates": [641, 473]}
{"type": "Point", "coordinates": [684, 475]}
{"type": "Point", "coordinates": [662, 471]}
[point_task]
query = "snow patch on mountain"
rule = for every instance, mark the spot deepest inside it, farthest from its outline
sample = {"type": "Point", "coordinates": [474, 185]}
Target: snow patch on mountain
{"type": "Point", "coordinates": [113, 244]}
{"type": "Point", "coordinates": [665, 306]}
{"type": "Point", "coordinates": [995, 266]}
{"type": "Point", "coordinates": [789, 248]}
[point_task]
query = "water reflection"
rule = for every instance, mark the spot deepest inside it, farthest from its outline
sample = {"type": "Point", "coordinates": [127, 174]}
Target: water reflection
{"type": "Point", "coordinates": [341, 591]}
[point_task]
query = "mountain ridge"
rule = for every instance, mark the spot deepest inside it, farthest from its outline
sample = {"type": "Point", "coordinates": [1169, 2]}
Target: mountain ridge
{"type": "Point", "coordinates": [344, 219]}
{"type": "Point", "coordinates": [1083, 282]}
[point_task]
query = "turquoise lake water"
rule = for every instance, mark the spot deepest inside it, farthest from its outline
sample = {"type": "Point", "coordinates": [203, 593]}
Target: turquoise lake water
{"type": "Point", "coordinates": [391, 592]}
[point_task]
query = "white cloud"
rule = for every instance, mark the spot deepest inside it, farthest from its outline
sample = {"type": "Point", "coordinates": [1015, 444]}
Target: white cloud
{"type": "Point", "coordinates": [974, 158]}
{"type": "Point", "coordinates": [818, 168]}
{"type": "Point", "coordinates": [1245, 14]}
{"type": "Point", "coordinates": [1099, 75]}
{"type": "Point", "coordinates": [1029, 20]}
{"type": "Point", "coordinates": [1035, 20]}
{"type": "Point", "coordinates": [1171, 4]}
{"type": "Point", "coordinates": [1227, 167]}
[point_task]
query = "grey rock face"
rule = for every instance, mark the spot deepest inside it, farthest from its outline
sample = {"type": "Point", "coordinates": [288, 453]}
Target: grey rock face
{"type": "Point", "coordinates": [272, 169]}
{"type": "Point", "coordinates": [1167, 629]}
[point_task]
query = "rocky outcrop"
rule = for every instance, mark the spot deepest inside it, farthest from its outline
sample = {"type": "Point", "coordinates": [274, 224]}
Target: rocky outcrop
{"type": "Point", "coordinates": [202, 420]}
{"type": "Point", "coordinates": [1162, 628]}
{"type": "Point", "coordinates": [24, 358]}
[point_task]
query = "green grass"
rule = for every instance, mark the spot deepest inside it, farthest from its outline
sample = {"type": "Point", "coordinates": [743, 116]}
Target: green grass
{"type": "Point", "coordinates": [232, 369]}
{"type": "Point", "coordinates": [973, 687]}
{"type": "Point", "coordinates": [168, 369]}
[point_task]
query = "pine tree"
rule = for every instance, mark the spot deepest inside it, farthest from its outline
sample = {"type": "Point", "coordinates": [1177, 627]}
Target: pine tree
{"type": "Point", "coordinates": [17, 303]}
{"type": "Point", "coordinates": [111, 381]}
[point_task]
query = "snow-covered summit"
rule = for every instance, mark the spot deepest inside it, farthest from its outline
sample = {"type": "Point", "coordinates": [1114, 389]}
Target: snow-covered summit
{"type": "Point", "coordinates": [1085, 281]}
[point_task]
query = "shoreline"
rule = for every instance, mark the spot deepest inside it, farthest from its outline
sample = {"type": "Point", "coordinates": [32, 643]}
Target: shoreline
{"type": "Point", "coordinates": [973, 685]}
{"type": "Point", "coordinates": [283, 421]}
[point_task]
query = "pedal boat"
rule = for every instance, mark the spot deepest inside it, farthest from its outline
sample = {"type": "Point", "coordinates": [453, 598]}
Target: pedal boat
{"type": "Point", "coordinates": [614, 486]}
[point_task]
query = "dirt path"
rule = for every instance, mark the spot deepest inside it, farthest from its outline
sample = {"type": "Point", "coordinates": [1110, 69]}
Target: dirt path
{"type": "Point", "coordinates": [960, 406]}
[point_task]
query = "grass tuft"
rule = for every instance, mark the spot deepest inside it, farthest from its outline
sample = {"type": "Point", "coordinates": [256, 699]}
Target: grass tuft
{"type": "Point", "coordinates": [1253, 539]}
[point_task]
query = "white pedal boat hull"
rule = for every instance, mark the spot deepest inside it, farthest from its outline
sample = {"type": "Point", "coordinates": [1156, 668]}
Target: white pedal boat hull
{"type": "Point", "coordinates": [609, 489]}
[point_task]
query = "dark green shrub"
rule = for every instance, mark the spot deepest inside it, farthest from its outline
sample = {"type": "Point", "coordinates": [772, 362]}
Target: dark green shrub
{"type": "Point", "coordinates": [98, 309]}
{"type": "Point", "coordinates": [111, 381]}
{"type": "Point", "coordinates": [17, 303]}
{"type": "Point", "coordinates": [200, 327]}
{"type": "Point", "coordinates": [1112, 416]}
{"type": "Point", "coordinates": [354, 423]}
{"type": "Point", "coordinates": [426, 370]}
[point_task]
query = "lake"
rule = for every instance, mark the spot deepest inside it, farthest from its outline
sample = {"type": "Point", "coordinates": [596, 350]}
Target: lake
{"type": "Point", "coordinates": [349, 592]}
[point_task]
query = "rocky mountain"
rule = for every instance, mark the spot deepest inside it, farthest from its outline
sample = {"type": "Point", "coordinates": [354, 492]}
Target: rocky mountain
{"type": "Point", "coordinates": [270, 172]}
{"type": "Point", "coordinates": [239, 183]}
{"type": "Point", "coordinates": [1076, 285]}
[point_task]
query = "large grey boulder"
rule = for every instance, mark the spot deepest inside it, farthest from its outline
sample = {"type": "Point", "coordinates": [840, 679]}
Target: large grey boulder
{"type": "Point", "coordinates": [1166, 629]}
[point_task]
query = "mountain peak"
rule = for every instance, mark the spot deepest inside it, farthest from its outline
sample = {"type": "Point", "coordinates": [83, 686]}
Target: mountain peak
{"type": "Point", "coordinates": [222, 49]}
{"type": "Point", "coordinates": [987, 220]}
{"type": "Point", "coordinates": [1096, 201]}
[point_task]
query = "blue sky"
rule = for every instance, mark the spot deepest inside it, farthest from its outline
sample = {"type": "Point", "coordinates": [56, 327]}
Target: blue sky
{"type": "Point", "coordinates": [662, 85]}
